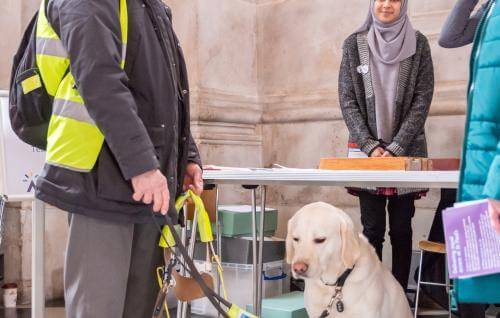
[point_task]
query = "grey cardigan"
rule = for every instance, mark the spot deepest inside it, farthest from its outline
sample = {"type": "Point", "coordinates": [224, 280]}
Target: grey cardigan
{"type": "Point", "coordinates": [413, 98]}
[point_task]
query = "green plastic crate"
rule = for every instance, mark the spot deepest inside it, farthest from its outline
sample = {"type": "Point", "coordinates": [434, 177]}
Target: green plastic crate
{"type": "Point", "coordinates": [236, 220]}
{"type": "Point", "coordinates": [285, 306]}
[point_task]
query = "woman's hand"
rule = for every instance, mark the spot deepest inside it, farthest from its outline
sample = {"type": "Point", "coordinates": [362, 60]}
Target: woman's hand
{"type": "Point", "coordinates": [494, 210]}
{"type": "Point", "coordinates": [387, 154]}
{"type": "Point", "coordinates": [378, 152]}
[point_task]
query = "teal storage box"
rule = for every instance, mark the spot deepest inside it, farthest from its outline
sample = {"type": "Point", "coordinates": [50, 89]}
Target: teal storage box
{"type": "Point", "coordinates": [285, 306]}
{"type": "Point", "coordinates": [236, 220]}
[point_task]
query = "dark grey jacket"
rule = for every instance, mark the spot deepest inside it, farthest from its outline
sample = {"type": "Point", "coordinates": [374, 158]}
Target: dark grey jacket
{"type": "Point", "coordinates": [143, 111]}
{"type": "Point", "coordinates": [413, 98]}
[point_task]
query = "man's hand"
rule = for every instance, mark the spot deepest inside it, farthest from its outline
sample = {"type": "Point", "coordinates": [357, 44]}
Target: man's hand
{"type": "Point", "coordinates": [152, 187]}
{"type": "Point", "coordinates": [378, 152]}
{"type": "Point", "coordinates": [494, 209]}
{"type": "Point", "coordinates": [193, 179]}
{"type": "Point", "coordinates": [387, 154]}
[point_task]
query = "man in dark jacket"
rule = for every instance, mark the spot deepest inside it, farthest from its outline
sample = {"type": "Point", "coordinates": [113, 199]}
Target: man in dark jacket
{"type": "Point", "coordinates": [147, 159]}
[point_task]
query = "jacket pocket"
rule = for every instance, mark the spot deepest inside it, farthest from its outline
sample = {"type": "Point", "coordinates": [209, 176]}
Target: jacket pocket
{"type": "Point", "coordinates": [111, 184]}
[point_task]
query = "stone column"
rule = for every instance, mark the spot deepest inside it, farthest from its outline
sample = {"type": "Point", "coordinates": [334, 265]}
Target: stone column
{"type": "Point", "coordinates": [219, 39]}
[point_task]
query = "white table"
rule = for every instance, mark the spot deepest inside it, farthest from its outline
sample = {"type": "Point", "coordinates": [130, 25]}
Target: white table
{"type": "Point", "coordinates": [314, 177]}
{"type": "Point", "coordinates": [253, 178]}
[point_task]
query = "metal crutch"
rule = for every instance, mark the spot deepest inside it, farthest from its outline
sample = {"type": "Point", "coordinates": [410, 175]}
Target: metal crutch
{"type": "Point", "coordinates": [218, 235]}
{"type": "Point", "coordinates": [180, 304]}
{"type": "Point", "coordinates": [192, 243]}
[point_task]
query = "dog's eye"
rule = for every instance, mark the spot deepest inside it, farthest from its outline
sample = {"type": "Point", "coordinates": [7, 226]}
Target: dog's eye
{"type": "Point", "coordinates": [296, 239]}
{"type": "Point", "coordinates": [319, 240]}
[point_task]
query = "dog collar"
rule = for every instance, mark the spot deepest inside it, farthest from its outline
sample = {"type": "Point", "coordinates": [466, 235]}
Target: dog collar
{"type": "Point", "coordinates": [337, 296]}
{"type": "Point", "coordinates": [340, 280]}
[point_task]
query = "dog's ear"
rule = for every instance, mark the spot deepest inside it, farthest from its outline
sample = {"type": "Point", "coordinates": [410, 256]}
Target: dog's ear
{"type": "Point", "coordinates": [350, 243]}
{"type": "Point", "coordinates": [289, 243]}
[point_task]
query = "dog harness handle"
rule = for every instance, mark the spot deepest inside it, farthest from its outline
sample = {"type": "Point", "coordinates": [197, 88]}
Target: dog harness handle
{"type": "Point", "coordinates": [204, 225]}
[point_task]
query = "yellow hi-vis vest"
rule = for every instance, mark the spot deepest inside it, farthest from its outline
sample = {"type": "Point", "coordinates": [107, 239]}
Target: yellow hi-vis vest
{"type": "Point", "coordinates": [73, 140]}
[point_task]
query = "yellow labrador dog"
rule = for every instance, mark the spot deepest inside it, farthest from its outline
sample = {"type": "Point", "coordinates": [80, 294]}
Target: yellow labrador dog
{"type": "Point", "coordinates": [343, 276]}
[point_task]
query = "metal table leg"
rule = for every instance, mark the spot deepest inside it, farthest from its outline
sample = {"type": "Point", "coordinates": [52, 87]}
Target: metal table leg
{"type": "Point", "coordinates": [261, 249]}
{"type": "Point", "coordinates": [254, 243]}
{"type": "Point", "coordinates": [254, 248]}
{"type": "Point", "coordinates": [37, 267]}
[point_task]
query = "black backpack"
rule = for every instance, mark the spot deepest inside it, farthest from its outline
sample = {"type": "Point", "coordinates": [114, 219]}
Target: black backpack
{"type": "Point", "coordinates": [30, 106]}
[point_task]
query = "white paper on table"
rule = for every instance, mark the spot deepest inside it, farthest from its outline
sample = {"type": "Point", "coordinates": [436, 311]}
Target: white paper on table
{"type": "Point", "coordinates": [276, 167]}
{"type": "Point", "coordinates": [223, 168]}
{"type": "Point", "coordinates": [355, 153]}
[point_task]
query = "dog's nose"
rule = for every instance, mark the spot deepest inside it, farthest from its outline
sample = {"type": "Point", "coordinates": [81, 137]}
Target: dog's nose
{"type": "Point", "coordinates": [300, 268]}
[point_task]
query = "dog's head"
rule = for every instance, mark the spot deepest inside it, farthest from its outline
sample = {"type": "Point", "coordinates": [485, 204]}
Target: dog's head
{"type": "Point", "coordinates": [320, 239]}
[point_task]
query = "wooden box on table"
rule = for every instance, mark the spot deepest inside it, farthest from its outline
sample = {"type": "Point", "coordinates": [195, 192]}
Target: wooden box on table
{"type": "Point", "coordinates": [390, 163]}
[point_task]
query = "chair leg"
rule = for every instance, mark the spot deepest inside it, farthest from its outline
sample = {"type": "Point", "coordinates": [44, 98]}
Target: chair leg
{"type": "Point", "coordinates": [418, 283]}
{"type": "Point", "coordinates": [448, 288]}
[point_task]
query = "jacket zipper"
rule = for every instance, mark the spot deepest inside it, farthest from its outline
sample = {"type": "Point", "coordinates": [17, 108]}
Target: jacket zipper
{"type": "Point", "coordinates": [163, 43]}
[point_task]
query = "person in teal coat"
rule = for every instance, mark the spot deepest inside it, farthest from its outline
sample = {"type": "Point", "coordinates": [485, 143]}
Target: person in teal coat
{"type": "Point", "coordinates": [480, 171]}
{"type": "Point", "coordinates": [481, 177]}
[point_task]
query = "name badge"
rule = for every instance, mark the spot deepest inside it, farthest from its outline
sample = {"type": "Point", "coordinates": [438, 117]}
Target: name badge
{"type": "Point", "coordinates": [363, 69]}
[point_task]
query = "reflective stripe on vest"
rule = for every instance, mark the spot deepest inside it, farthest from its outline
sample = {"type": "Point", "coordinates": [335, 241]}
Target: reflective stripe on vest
{"type": "Point", "coordinates": [73, 141]}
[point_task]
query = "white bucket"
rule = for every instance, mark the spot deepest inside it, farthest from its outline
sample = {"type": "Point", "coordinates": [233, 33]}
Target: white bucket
{"type": "Point", "coordinates": [9, 295]}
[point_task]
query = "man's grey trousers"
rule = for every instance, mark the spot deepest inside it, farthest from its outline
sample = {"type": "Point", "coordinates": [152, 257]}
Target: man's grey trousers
{"type": "Point", "coordinates": [110, 269]}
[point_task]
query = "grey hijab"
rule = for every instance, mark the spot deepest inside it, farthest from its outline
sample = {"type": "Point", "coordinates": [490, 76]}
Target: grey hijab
{"type": "Point", "coordinates": [389, 45]}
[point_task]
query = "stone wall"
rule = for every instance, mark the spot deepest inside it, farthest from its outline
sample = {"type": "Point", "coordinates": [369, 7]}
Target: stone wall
{"type": "Point", "coordinates": [219, 39]}
{"type": "Point", "coordinates": [263, 77]}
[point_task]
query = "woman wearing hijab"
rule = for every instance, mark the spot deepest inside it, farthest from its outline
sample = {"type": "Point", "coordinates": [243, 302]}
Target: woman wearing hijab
{"type": "Point", "coordinates": [386, 83]}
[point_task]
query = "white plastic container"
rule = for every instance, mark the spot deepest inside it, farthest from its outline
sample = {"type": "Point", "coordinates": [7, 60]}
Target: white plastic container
{"type": "Point", "coordinates": [238, 281]}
